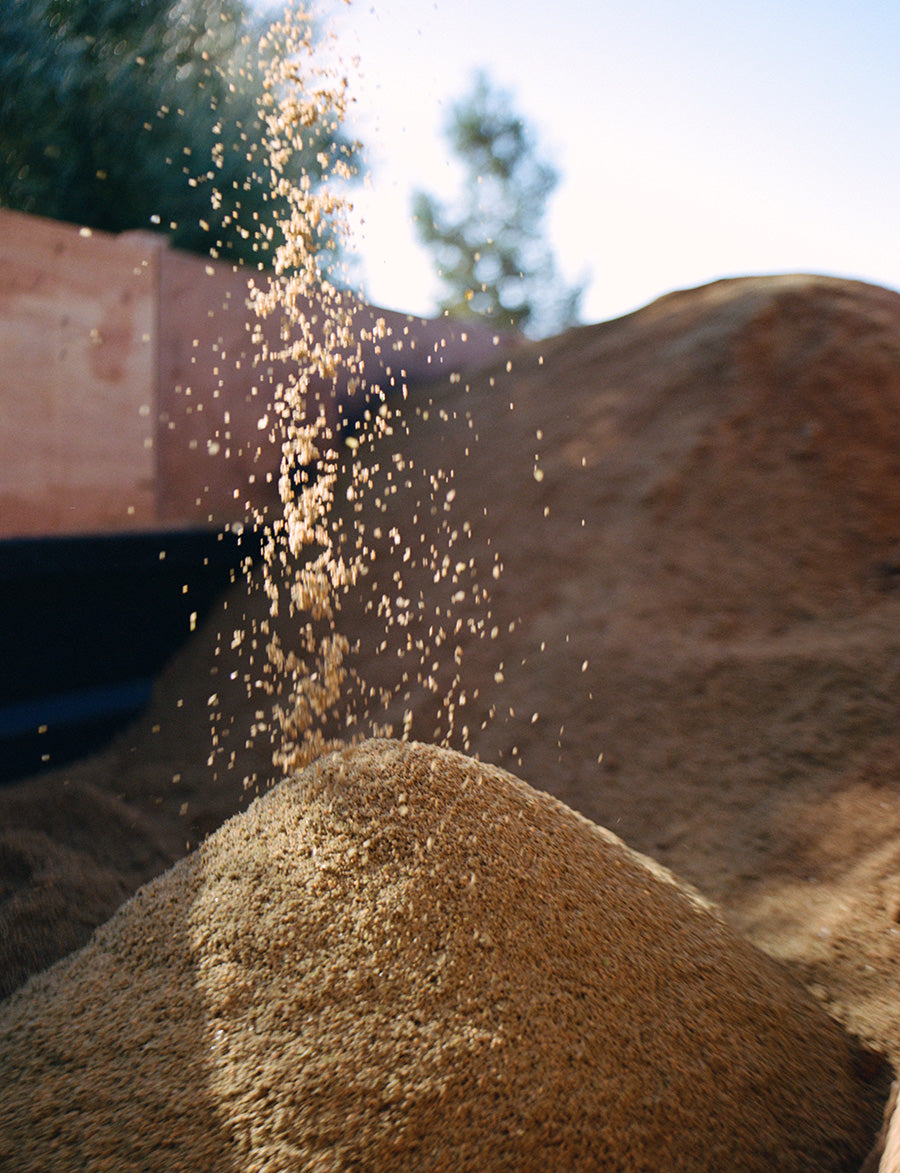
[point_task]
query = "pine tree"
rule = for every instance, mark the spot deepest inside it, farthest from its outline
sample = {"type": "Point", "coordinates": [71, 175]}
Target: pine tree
{"type": "Point", "coordinates": [489, 247]}
{"type": "Point", "coordinates": [118, 114]}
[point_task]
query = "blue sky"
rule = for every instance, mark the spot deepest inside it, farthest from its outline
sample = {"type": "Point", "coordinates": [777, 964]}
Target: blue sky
{"type": "Point", "coordinates": [695, 140]}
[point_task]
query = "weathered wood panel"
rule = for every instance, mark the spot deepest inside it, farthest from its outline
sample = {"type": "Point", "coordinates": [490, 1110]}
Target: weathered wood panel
{"type": "Point", "coordinates": [209, 443]}
{"type": "Point", "coordinates": [217, 455]}
{"type": "Point", "coordinates": [130, 397]}
{"type": "Point", "coordinates": [77, 378]}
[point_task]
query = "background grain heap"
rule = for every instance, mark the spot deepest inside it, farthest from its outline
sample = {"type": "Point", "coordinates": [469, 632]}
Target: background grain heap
{"type": "Point", "coordinates": [693, 640]}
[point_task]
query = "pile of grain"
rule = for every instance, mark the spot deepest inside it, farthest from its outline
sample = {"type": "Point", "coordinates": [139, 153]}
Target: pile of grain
{"type": "Point", "coordinates": [405, 959]}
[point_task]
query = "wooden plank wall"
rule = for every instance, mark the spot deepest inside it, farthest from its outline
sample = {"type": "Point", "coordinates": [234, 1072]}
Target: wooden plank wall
{"type": "Point", "coordinates": [129, 394]}
{"type": "Point", "coordinates": [77, 378]}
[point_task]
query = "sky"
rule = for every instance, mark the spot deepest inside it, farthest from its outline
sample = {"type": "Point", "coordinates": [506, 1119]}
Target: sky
{"type": "Point", "coordinates": [694, 141]}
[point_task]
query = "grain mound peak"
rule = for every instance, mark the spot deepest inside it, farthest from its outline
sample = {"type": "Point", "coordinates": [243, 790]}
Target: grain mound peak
{"type": "Point", "coordinates": [405, 958]}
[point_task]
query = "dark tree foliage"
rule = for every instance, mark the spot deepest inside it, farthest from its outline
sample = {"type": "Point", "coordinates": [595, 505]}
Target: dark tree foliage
{"type": "Point", "coordinates": [489, 247]}
{"type": "Point", "coordinates": [123, 114]}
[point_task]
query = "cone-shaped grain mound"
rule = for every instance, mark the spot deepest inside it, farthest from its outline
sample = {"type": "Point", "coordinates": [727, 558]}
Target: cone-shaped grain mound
{"type": "Point", "coordinates": [405, 959]}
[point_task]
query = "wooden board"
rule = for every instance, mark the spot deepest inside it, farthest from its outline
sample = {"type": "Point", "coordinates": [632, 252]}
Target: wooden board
{"type": "Point", "coordinates": [77, 378]}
